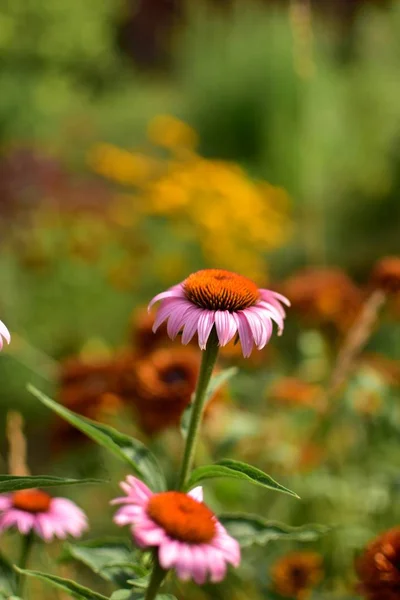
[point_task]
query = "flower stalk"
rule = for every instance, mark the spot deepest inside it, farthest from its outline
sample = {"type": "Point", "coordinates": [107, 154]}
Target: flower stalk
{"type": "Point", "coordinates": [157, 577]}
{"type": "Point", "coordinates": [208, 361]}
{"type": "Point", "coordinates": [26, 548]}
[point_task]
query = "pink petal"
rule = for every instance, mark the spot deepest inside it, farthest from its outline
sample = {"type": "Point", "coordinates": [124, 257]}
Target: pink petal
{"type": "Point", "coordinates": [149, 537]}
{"type": "Point", "coordinates": [228, 546]}
{"type": "Point", "coordinates": [5, 502]}
{"type": "Point", "coordinates": [5, 334]}
{"type": "Point", "coordinates": [206, 322]}
{"type": "Point", "coordinates": [199, 565]}
{"type": "Point", "coordinates": [245, 334]}
{"type": "Point", "coordinates": [174, 292]}
{"type": "Point", "coordinates": [184, 563]}
{"type": "Point", "coordinates": [197, 493]}
{"type": "Point", "coordinates": [177, 319]}
{"type": "Point", "coordinates": [192, 321]}
{"type": "Point", "coordinates": [168, 553]}
{"type": "Point", "coordinates": [216, 565]}
{"type": "Point", "coordinates": [225, 325]}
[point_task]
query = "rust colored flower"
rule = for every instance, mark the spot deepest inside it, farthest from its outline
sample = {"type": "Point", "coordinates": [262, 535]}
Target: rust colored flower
{"type": "Point", "coordinates": [142, 336]}
{"type": "Point", "coordinates": [292, 391]}
{"type": "Point", "coordinates": [324, 296]}
{"type": "Point", "coordinates": [85, 389]}
{"type": "Point", "coordinates": [378, 568]}
{"type": "Point", "coordinates": [295, 575]}
{"type": "Point", "coordinates": [159, 386]}
{"type": "Point", "coordinates": [386, 274]}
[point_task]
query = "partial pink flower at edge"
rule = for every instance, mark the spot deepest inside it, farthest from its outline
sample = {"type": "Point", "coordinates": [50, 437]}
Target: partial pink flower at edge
{"type": "Point", "coordinates": [4, 333]}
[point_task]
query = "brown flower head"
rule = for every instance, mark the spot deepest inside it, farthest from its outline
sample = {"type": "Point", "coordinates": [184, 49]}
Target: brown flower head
{"type": "Point", "coordinates": [378, 568]}
{"type": "Point", "coordinates": [84, 388]}
{"type": "Point", "coordinates": [324, 296]}
{"type": "Point", "coordinates": [142, 336]}
{"type": "Point", "coordinates": [386, 274]}
{"type": "Point", "coordinates": [296, 574]}
{"type": "Point", "coordinates": [159, 386]}
{"type": "Point", "coordinates": [292, 391]}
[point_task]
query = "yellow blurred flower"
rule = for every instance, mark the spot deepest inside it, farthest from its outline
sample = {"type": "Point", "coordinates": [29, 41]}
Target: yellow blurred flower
{"type": "Point", "coordinates": [169, 132]}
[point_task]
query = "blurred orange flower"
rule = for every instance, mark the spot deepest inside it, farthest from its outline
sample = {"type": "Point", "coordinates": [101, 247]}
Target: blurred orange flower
{"type": "Point", "coordinates": [378, 567]}
{"type": "Point", "coordinates": [386, 274]}
{"type": "Point", "coordinates": [296, 574]}
{"type": "Point", "coordinates": [292, 391]}
{"type": "Point", "coordinates": [324, 296]}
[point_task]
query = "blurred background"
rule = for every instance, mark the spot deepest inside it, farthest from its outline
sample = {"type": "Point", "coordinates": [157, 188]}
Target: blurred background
{"type": "Point", "coordinates": [141, 140]}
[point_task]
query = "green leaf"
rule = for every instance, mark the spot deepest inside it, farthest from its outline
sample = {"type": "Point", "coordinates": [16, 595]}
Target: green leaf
{"type": "Point", "coordinates": [237, 470]}
{"type": "Point", "coordinates": [131, 451]}
{"type": "Point", "coordinates": [8, 578]}
{"type": "Point", "coordinates": [252, 529]}
{"type": "Point", "coordinates": [66, 585]}
{"type": "Point", "coordinates": [12, 483]}
{"type": "Point", "coordinates": [216, 382]}
{"type": "Point", "coordinates": [110, 558]}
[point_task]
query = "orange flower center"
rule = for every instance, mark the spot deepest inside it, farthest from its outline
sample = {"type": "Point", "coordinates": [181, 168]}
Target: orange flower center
{"type": "Point", "coordinates": [215, 289]}
{"type": "Point", "coordinates": [182, 517]}
{"type": "Point", "coordinates": [33, 501]}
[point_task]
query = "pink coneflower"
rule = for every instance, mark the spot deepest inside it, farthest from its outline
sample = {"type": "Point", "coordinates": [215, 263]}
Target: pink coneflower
{"type": "Point", "coordinates": [4, 333]}
{"type": "Point", "coordinates": [231, 302]}
{"type": "Point", "coordinates": [37, 511]}
{"type": "Point", "coordinates": [187, 533]}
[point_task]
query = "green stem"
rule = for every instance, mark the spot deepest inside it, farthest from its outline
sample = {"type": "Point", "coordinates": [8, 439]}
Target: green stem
{"type": "Point", "coordinates": [26, 547]}
{"type": "Point", "coordinates": [156, 580]}
{"type": "Point", "coordinates": [207, 365]}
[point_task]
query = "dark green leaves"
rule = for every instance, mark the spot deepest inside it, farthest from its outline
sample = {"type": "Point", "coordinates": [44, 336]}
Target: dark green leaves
{"type": "Point", "coordinates": [111, 559]}
{"type": "Point", "coordinates": [251, 529]}
{"type": "Point", "coordinates": [216, 382]}
{"type": "Point", "coordinates": [12, 483]}
{"type": "Point", "coordinates": [126, 448]}
{"type": "Point", "coordinates": [237, 470]}
{"type": "Point", "coordinates": [66, 585]}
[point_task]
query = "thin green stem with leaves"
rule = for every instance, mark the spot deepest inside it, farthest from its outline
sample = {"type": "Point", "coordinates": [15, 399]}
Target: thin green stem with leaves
{"type": "Point", "coordinates": [26, 547]}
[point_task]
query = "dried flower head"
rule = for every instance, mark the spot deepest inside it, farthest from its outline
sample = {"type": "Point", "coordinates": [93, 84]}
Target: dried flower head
{"type": "Point", "coordinates": [186, 533]}
{"type": "Point", "coordinates": [35, 510]}
{"type": "Point", "coordinates": [378, 568]}
{"type": "Point", "coordinates": [4, 334]}
{"type": "Point", "coordinates": [386, 274]}
{"type": "Point", "coordinates": [324, 297]}
{"type": "Point", "coordinates": [142, 336]}
{"type": "Point", "coordinates": [295, 575]}
{"type": "Point", "coordinates": [227, 301]}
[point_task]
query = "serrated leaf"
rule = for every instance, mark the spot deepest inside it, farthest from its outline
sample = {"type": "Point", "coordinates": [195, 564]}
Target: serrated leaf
{"type": "Point", "coordinates": [128, 449]}
{"type": "Point", "coordinates": [111, 559]}
{"type": "Point", "coordinates": [12, 483]}
{"type": "Point", "coordinates": [75, 590]}
{"type": "Point", "coordinates": [216, 382]}
{"type": "Point", "coordinates": [237, 470]}
{"type": "Point", "coordinates": [8, 577]}
{"type": "Point", "coordinates": [252, 529]}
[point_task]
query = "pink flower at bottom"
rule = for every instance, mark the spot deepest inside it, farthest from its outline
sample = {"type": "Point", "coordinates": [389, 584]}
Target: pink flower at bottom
{"type": "Point", "coordinates": [186, 532]}
{"type": "Point", "coordinates": [231, 303]}
{"type": "Point", "coordinates": [37, 511]}
{"type": "Point", "coordinates": [4, 333]}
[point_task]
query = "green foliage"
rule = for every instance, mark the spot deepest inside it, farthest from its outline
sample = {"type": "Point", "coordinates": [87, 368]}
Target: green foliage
{"type": "Point", "coordinates": [126, 448]}
{"type": "Point", "coordinates": [111, 559]}
{"type": "Point", "coordinates": [12, 483]}
{"type": "Point", "coordinates": [252, 529]}
{"type": "Point", "coordinates": [69, 587]}
{"type": "Point", "coordinates": [237, 470]}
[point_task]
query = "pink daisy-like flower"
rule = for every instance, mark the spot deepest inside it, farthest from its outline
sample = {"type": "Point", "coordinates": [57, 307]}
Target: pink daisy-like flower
{"type": "Point", "coordinates": [186, 532]}
{"type": "Point", "coordinates": [35, 510]}
{"type": "Point", "coordinates": [230, 302]}
{"type": "Point", "coordinates": [4, 333]}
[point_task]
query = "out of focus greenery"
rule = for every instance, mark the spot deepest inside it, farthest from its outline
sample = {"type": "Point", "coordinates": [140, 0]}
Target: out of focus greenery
{"type": "Point", "coordinates": [262, 137]}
